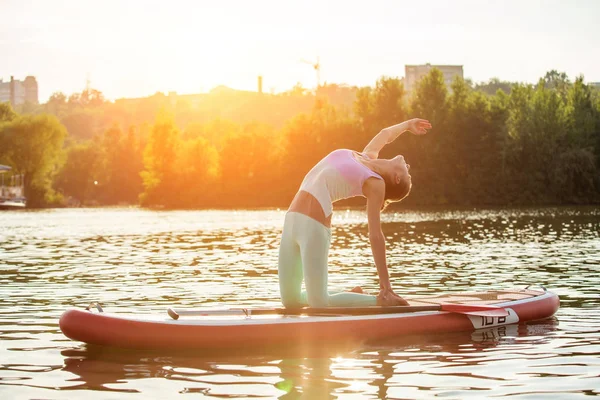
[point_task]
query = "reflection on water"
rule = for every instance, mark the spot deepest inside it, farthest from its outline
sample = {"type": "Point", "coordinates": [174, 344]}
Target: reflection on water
{"type": "Point", "coordinates": [142, 261]}
{"type": "Point", "coordinates": [400, 367]}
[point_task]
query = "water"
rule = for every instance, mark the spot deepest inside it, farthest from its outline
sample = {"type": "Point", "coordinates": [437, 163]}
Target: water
{"type": "Point", "coordinates": [143, 261]}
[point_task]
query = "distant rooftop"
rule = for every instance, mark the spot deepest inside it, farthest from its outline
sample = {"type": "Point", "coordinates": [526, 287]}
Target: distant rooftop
{"type": "Point", "coordinates": [433, 65]}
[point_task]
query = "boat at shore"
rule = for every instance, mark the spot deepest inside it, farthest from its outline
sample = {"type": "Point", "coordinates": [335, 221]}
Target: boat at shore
{"type": "Point", "coordinates": [212, 330]}
{"type": "Point", "coordinates": [12, 190]}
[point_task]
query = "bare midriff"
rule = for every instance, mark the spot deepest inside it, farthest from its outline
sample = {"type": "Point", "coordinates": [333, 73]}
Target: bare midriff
{"type": "Point", "coordinates": [307, 204]}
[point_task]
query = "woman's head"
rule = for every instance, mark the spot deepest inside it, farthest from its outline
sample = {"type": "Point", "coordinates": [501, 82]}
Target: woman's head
{"type": "Point", "coordinates": [397, 181]}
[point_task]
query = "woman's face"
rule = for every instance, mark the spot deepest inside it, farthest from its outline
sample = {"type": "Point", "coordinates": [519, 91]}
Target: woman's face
{"type": "Point", "coordinates": [400, 167]}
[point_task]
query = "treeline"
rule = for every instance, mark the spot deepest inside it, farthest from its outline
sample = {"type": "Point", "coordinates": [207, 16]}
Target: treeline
{"type": "Point", "coordinates": [88, 113]}
{"type": "Point", "coordinates": [523, 144]}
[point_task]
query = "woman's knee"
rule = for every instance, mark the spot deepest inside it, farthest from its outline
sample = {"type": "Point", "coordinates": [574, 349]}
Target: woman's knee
{"type": "Point", "coordinates": [291, 302]}
{"type": "Point", "coordinates": [291, 296]}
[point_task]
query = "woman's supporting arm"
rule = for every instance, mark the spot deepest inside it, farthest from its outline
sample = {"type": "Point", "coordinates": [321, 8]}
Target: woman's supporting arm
{"type": "Point", "coordinates": [375, 190]}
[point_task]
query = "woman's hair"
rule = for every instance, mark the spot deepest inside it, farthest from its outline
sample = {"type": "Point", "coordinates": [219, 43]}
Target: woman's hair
{"type": "Point", "coordinates": [396, 191]}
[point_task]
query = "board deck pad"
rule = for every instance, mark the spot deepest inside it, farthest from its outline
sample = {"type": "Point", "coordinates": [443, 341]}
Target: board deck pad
{"type": "Point", "coordinates": [488, 298]}
{"type": "Point", "coordinates": [475, 298]}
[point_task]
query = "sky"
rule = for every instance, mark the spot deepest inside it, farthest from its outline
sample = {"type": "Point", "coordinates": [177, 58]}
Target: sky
{"type": "Point", "coordinates": [135, 48]}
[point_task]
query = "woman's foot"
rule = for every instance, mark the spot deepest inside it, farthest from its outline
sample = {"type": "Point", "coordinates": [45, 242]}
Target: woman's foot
{"type": "Point", "coordinates": [357, 289]}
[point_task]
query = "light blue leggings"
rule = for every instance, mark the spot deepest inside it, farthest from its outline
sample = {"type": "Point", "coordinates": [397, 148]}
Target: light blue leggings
{"type": "Point", "coordinates": [303, 256]}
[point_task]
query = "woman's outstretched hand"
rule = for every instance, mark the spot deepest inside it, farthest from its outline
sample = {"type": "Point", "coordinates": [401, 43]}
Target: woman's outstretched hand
{"type": "Point", "coordinates": [418, 126]}
{"type": "Point", "coordinates": [387, 297]}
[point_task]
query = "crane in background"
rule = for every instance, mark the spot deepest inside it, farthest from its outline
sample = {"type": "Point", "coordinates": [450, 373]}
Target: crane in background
{"type": "Point", "coordinates": [317, 67]}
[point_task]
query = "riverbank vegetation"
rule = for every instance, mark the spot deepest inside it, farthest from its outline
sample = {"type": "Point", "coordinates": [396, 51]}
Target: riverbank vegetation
{"type": "Point", "coordinates": [495, 143]}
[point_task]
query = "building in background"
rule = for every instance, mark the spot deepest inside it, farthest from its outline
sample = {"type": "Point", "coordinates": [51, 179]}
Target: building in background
{"type": "Point", "coordinates": [414, 73]}
{"type": "Point", "coordinates": [19, 92]}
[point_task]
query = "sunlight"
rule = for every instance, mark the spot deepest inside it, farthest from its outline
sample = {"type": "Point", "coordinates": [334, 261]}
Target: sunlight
{"type": "Point", "coordinates": [213, 198]}
{"type": "Point", "coordinates": [343, 362]}
{"type": "Point", "coordinates": [192, 48]}
{"type": "Point", "coordinates": [135, 48]}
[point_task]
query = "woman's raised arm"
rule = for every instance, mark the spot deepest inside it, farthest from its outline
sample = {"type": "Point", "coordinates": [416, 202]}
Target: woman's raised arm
{"type": "Point", "coordinates": [387, 135]}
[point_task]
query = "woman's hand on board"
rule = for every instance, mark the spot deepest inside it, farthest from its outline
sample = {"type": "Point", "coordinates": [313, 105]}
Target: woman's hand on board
{"type": "Point", "coordinates": [387, 297]}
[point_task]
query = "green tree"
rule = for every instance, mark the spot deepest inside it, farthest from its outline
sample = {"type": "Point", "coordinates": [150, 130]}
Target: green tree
{"type": "Point", "coordinates": [363, 108]}
{"type": "Point", "coordinates": [558, 81]}
{"type": "Point", "coordinates": [121, 166]}
{"type": "Point", "coordinates": [457, 155]}
{"type": "Point", "coordinates": [82, 124]}
{"type": "Point", "coordinates": [492, 86]}
{"type": "Point", "coordinates": [197, 174]}
{"type": "Point", "coordinates": [388, 102]}
{"type": "Point", "coordinates": [380, 107]}
{"type": "Point", "coordinates": [575, 172]}
{"type": "Point", "coordinates": [110, 150]}
{"type": "Point", "coordinates": [249, 165]}
{"type": "Point", "coordinates": [537, 125]}
{"type": "Point", "coordinates": [130, 160]}
{"type": "Point", "coordinates": [56, 104]}
{"type": "Point", "coordinates": [582, 115]}
{"type": "Point", "coordinates": [34, 148]}
{"type": "Point", "coordinates": [79, 176]}
{"type": "Point", "coordinates": [429, 99]}
{"type": "Point", "coordinates": [159, 174]}
{"type": "Point", "coordinates": [218, 131]}
{"type": "Point", "coordinates": [428, 155]}
{"type": "Point", "coordinates": [6, 113]}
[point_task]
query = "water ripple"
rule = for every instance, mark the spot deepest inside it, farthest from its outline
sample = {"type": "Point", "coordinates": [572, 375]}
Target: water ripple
{"type": "Point", "coordinates": [142, 261]}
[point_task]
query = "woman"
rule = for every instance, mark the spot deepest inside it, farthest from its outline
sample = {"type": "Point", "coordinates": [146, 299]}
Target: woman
{"type": "Point", "coordinates": [306, 232]}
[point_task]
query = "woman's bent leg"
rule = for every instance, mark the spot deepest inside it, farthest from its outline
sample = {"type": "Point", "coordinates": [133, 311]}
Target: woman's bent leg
{"type": "Point", "coordinates": [290, 266]}
{"type": "Point", "coordinates": [314, 240]}
{"type": "Point", "coordinates": [351, 299]}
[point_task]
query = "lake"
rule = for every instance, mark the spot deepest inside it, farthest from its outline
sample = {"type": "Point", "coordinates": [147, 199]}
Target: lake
{"type": "Point", "coordinates": [136, 260]}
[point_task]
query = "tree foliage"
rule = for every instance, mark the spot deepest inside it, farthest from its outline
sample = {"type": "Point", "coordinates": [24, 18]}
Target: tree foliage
{"type": "Point", "coordinates": [492, 144]}
{"type": "Point", "coordinates": [32, 145]}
